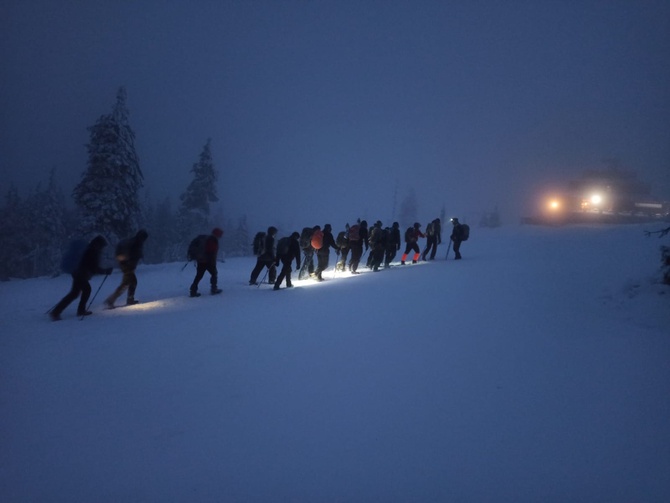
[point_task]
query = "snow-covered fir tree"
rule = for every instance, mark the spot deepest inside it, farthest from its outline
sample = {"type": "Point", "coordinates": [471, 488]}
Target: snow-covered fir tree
{"type": "Point", "coordinates": [108, 193]}
{"type": "Point", "coordinates": [194, 212]}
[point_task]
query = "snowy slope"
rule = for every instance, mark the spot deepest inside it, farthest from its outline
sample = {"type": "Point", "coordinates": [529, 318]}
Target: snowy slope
{"type": "Point", "coordinates": [536, 369]}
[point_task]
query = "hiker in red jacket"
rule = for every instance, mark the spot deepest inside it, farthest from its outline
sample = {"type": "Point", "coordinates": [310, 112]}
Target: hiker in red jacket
{"type": "Point", "coordinates": [206, 261]}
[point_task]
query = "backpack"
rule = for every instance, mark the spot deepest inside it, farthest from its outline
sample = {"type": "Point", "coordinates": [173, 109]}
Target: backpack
{"type": "Point", "coordinates": [306, 238]}
{"type": "Point", "coordinates": [283, 247]}
{"type": "Point", "coordinates": [410, 235]}
{"type": "Point", "coordinates": [341, 241]}
{"type": "Point", "coordinates": [430, 229]}
{"type": "Point", "coordinates": [317, 239]}
{"type": "Point", "coordinates": [354, 233]}
{"type": "Point", "coordinates": [376, 236]}
{"type": "Point", "coordinates": [73, 255]}
{"type": "Point", "coordinates": [259, 243]}
{"type": "Point", "coordinates": [465, 232]}
{"type": "Point", "coordinates": [196, 248]}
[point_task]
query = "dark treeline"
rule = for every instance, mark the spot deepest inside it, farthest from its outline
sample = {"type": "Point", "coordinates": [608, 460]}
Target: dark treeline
{"type": "Point", "coordinates": [36, 229]}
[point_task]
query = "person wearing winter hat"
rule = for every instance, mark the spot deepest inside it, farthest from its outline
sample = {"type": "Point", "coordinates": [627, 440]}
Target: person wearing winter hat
{"type": "Point", "coordinates": [392, 244]}
{"type": "Point", "coordinates": [433, 239]}
{"type": "Point", "coordinates": [288, 249]}
{"type": "Point", "coordinates": [323, 253]}
{"type": "Point", "coordinates": [88, 266]}
{"type": "Point", "coordinates": [412, 235]}
{"type": "Point", "coordinates": [457, 237]}
{"type": "Point", "coordinates": [129, 252]}
{"type": "Point", "coordinates": [266, 258]}
{"type": "Point", "coordinates": [206, 261]}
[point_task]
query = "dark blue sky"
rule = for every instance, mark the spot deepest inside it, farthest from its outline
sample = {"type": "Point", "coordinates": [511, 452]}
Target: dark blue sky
{"type": "Point", "coordinates": [317, 109]}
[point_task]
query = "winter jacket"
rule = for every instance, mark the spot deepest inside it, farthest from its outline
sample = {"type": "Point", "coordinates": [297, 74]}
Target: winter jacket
{"type": "Point", "coordinates": [130, 251]}
{"type": "Point", "coordinates": [211, 250]}
{"type": "Point", "coordinates": [457, 233]}
{"type": "Point", "coordinates": [292, 254]}
{"type": "Point", "coordinates": [328, 242]}
{"type": "Point", "coordinates": [89, 265]}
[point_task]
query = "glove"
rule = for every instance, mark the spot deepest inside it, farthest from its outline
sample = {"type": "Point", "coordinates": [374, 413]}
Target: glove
{"type": "Point", "coordinates": [108, 271]}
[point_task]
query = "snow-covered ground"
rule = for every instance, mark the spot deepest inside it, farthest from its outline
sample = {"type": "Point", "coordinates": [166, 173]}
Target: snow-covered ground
{"type": "Point", "coordinates": [536, 369]}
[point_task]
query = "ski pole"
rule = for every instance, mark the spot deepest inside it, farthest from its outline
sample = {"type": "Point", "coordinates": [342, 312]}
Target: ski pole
{"type": "Point", "coordinates": [267, 270]}
{"type": "Point", "coordinates": [95, 295]}
{"type": "Point", "coordinates": [187, 263]}
{"type": "Point", "coordinates": [448, 248]}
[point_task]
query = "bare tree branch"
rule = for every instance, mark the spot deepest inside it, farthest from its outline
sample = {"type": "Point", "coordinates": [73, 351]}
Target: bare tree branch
{"type": "Point", "coordinates": [660, 233]}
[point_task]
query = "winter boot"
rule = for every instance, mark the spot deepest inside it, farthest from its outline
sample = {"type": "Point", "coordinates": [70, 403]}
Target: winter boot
{"type": "Point", "coordinates": [216, 291]}
{"type": "Point", "coordinates": [131, 301]}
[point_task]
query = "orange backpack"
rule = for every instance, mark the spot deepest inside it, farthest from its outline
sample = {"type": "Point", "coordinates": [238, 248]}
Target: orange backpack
{"type": "Point", "coordinates": [317, 239]}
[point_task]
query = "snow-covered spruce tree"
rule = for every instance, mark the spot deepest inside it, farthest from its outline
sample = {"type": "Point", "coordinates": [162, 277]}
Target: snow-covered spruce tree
{"type": "Point", "coordinates": [195, 201]}
{"type": "Point", "coordinates": [108, 193]}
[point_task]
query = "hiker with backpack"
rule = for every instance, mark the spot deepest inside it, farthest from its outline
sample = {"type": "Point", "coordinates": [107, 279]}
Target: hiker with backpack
{"type": "Point", "coordinates": [392, 244]}
{"type": "Point", "coordinates": [204, 250]}
{"type": "Point", "coordinates": [322, 241]}
{"type": "Point", "coordinates": [459, 233]}
{"type": "Point", "coordinates": [412, 235]}
{"type": "Point", "coordinates": [377, 246]}
{"type": "Point", "coordinates": [358, 238]}
{"type": "Point", "coordinates": [87, 265]}
{"type": "Point", "coordinates": [129, 251]}
{"type": "Point", "coordinates": [288, 249]}
{"type": "Point", "coordinates": [342, 242]}
{"type": "Point", "coordinates": [307, 268]}
{"type": "Point", "coordinates": [433, 238]}
{"type": "Point", "coordinates": [266, 258]}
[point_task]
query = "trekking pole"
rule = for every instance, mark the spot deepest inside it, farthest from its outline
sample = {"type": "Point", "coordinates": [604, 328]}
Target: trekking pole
{"type": "Point", "coordinates": [267, 270]}
{"type": "Point", "coordinates": [95, 295]}
{"type": "Point", "coordinates": [448, 248]}
{"type": "Point", "coordinates": [187, 263]}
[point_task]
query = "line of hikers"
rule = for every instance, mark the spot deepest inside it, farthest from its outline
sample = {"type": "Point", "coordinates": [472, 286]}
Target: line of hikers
{"type": "Point", "coordinates": [383, 243]}
{"type": "Point", "coordinates": [82, 260]}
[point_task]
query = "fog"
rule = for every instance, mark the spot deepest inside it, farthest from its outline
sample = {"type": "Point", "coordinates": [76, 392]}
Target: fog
{"type": "Point", "coordinates": [318, 111]}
